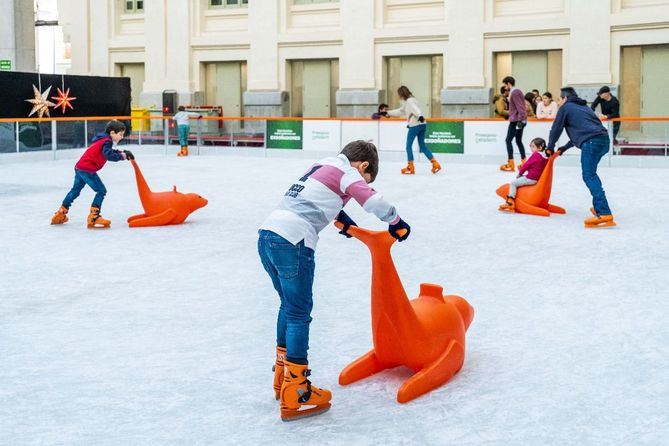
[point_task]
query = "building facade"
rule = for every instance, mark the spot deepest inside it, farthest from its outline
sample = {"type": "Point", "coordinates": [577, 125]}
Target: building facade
{"type": "Point", "coordinates": [343, 58]}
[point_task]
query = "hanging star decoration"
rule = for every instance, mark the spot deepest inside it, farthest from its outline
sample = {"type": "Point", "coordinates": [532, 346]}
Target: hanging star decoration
{"type": "Point", "coordinates": [40, 103]}
{"type": "Point", "coordinates": [63, 99]}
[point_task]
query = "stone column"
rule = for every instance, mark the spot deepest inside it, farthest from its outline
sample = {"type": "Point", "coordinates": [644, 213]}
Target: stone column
{"type": "Point", "coordinates": [264, 96]}
{"type": "Point", "coordinates": [465, 93]}
{"type": "Point", "coordinates": [357, 95]}
{"type": "Point", "coordinates": [590, 48]}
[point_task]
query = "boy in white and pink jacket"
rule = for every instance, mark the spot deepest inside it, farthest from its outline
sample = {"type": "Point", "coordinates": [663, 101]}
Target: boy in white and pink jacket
{"type": "Point", "coordinates": [286, 245]}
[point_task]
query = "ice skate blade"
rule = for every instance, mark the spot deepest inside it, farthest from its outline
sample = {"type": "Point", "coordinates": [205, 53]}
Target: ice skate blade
{"type": "Point", "coordinates": [98, 226]}
{"type": "Point", "coordinates": [608, 224]}
{"type": "Point", "coordinates": [292, 415]}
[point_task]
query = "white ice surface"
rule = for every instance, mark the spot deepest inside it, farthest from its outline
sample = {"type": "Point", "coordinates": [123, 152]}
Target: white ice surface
{"type": "Point", "coordinates": [162, 336]}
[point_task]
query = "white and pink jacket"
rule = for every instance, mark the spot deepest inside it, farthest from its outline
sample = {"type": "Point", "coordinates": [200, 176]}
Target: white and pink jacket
{"type": "Point", "coordinates": [314, 201]}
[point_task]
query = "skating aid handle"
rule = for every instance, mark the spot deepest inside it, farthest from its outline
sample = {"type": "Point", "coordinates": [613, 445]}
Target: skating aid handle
{"type": "Point", "coordinates": [361, 233]}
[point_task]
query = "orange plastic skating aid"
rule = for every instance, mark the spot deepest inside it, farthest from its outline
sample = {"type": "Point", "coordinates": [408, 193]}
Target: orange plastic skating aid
{"type": "Point", "coordinates": [95, 220]}
{"type": "Point", "coordinates": [436, 167]}
{"type": "Point", "coordinates": [534, 199]}
{"type": "Point", "coordinates": [299, 398]}
{"type": "Point", "coordinates": [163, 208]}
{"type": "Point", "coordinates": [60, 216]}
{"type": "Point", "coordinates": [277, 368]}
{"type": "Point", "coordinates": [409, 169]}
{"type": "Point", "coordinates": [426, 334]}
{"type": "Point", "coordinates": [510, 166]}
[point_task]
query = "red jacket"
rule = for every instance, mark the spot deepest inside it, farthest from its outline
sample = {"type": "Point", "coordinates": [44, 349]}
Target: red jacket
{"type": "Point", "coordinates": [534, 166]}
{"type": "Point", "coordinates": [98, 153]}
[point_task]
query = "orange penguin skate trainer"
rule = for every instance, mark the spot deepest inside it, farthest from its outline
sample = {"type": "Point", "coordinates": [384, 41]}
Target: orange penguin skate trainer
{"type": "Point", "coordinates": [299, 398]}
{"type": "Point", "coordinates": [436, 167]}
{"type": "Point", "coordinates": [426, 334]}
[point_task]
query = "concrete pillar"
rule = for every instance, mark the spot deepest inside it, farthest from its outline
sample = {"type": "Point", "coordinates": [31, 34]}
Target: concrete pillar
{"type": "Point", "coordinates": [589, 43]}
{"type": "Point", "coordinates": [73, 16]}
{"type": "Point", "coordinates": [264, 96]}
{"type": "Point", "coordinates": [17, 34]}
{"type": "Point", "coordinates": [464, 93]}
{"type": "Point", "coordinates": [98, 36]}
{"type": "Point", "coordinates": [357, 95]}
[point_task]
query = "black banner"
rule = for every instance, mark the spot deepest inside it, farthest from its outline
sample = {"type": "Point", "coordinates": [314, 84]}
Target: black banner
{"type": "Point", "coordinates": [95, 96]}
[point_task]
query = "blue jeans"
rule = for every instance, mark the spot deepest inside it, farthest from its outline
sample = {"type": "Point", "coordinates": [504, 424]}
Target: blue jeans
{"type": "Point", "coordinates": [513, 132]}
{"type": "Point", "coordinates": [419, 132]}
{"type": "Point", "coordinates": [592, 152]}
{"type": "Point", "coordinates": [81, 179]}
{"type": "Point", "coordinates": [184, 131]}
{"type": "Point", "coordinates": [291, 268]}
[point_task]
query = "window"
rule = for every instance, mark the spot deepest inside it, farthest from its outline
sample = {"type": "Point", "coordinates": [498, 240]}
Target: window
{"type": "Point", "coordinates": [228, 3]}
{"type": "Point", "coordinates": [134, 6]}
{"type": "Point", "coordinates": [308, 2]}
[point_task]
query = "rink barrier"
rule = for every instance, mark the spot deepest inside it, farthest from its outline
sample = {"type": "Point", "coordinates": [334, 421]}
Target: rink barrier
{"type": "Point", "coordinates": [478, 137]}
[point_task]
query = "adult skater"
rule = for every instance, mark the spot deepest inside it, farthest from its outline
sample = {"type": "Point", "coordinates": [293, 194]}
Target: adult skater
{"type": "Point", "coordinates": [517, 122]}
{"type": "Point", "coordinates": [416, 125]}
{"type": "Point", "coordinates": [586, 131]}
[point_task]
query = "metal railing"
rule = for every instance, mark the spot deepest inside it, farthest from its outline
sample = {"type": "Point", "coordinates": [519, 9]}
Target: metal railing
{"type": "Point", "coordinates": [642, 136]}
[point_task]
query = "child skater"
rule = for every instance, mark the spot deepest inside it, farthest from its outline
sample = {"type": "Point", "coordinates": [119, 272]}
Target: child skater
{"type": "Point", "coordinates": [417, 126]}
{"type": "Point", "coordinates": [183, 127]}
{"type": "Point", "coordinates": [286, 245]}
{"type": "Point", "coordinates": [533, 167]}
{"type": "Point", "coordinates": [85, 173]}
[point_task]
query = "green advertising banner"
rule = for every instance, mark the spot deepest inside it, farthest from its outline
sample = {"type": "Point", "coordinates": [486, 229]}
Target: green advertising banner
{"type": "Point", "coordinates": [284, 135]}
{"type": "Point", "coordinates": [445, 137]}
{"type": "Point", "coordinates": [5, 65]}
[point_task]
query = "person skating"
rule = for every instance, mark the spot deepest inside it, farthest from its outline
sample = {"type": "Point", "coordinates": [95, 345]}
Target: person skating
{"type": "Point", "coordinates": [610, 108]}
{"type": "Point", "coordinates": [182, 119]}
{"type": "Point", "coordinates": [85, 173]}
{"type": "Point", "coordinates": [286, 246]}
{"type": "Point", "coordinates": [517, 122]}
{"type": "Point", "coordinates": [585, 131]}
{"type": "Point", "coordinates": [529, 173]}
{"type": "Point", "coordinates": [417, 127]}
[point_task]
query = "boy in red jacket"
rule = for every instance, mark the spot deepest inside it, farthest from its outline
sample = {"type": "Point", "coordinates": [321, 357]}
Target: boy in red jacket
{"type": "Point", "coordinates": [85, 172]}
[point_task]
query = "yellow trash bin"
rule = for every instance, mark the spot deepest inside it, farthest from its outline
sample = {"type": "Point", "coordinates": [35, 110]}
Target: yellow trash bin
{"type": "Point", "coordinates": [140, 119]}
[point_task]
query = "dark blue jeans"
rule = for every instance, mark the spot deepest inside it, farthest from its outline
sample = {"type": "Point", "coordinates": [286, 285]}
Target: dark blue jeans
{"type": "Point", "coordinates": [592, 152]}
{"type": "Point", "coordinates": [291, 268]}
{"type": "Point", "coordinates": [417, 132]}
{"type": "Point", "coordinates": [81, 179]}
{"type": "Point", "coordinates": [513, 132]}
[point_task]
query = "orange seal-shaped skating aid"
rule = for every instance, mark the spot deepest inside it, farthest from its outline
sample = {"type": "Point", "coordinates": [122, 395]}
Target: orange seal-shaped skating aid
{"type": "Point", "coordinates": [426, 334]}
{"type": "Point", "coordinates": [163, 208]}
{"type": "Point", "coordinates": [534, 199]}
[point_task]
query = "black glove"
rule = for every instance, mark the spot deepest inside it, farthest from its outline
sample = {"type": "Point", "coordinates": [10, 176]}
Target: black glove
{"type": "Point", "coordinates": [128, 155]}
{"type": "Point", "coordinates": [421, 119]}
{"type": "Point", "coordinates": [343, 218]}
{"type": "Point", "coordinates": [561, 150]}
{"type": "Point", "coordinates": [397, 227]}
{"type": "Point", "coordinates": [520, 125]}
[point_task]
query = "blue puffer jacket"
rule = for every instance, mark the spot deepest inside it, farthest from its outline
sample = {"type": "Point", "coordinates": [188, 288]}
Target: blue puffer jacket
{"type": "Point", "coordinates": [578, 120]}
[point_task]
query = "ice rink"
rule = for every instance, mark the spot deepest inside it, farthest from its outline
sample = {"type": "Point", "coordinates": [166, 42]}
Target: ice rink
{"type": "Point", "coordinates": [165, 336]}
